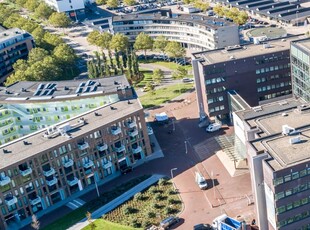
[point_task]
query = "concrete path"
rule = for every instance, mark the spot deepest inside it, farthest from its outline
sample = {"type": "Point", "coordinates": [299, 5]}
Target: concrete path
{"type": "Point", "coordinates": [118, 201]}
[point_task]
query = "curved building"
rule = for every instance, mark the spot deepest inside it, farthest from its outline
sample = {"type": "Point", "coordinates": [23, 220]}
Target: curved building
{"type": "Point", "coordinates": [192, 31]}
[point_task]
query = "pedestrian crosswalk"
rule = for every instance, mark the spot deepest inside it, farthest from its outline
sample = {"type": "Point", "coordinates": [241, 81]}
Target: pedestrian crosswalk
{"type": "Point", "coordinates": [76, 203]}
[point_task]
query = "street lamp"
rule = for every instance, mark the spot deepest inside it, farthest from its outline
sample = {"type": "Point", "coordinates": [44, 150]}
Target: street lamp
{"type": "Point", "coordinates": [171, 171]}
{"type": "Point", "coordinates": [186, 150]}
{"type": "Point", "coordinates": [297, 17]}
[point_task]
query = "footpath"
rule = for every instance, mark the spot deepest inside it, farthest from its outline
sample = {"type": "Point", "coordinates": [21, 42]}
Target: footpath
{"type": "Point", "coordinates": [118, 201]}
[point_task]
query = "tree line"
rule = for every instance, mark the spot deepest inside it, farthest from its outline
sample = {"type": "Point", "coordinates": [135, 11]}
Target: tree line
{"type": "Point", "coordinates": [239, 17]}
{"type": "Point", "coordinates": [50, 60]}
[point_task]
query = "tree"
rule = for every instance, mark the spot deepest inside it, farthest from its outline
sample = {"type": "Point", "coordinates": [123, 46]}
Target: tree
{"type": "Point", "coordinates": [242, 18]}
{"type": "Point", "coordinates": [218, 9]}
{"type": "Point", "coordinates": [186, 2]}
{"type": "Point", "coordinates": [91, 223]}
{"type": "Point", "coordinates": [43, 11]}
{"type": "Point", "coordinates": [119, 42]}
{"type": "Point", "coordinates": [52, 40]}
{"type": "Point", "coordinates": [104, 40]}
{"type": "Point", "coordinates": [150, 87]}
{"type": "Point", "coordinates": [158, 75]}
{"type": "Point", "coordinates": [21, 2]}
{"type": "Point", "coordinates": [5, 13]}
{"type": "Point", "coordinates": [38, 34]}
{"type": "Point", "coordinates": [59, 20]}
{"type": "Point", "coordinates": [179, 73]}
{"type": "Point", "coordinates": [36, 55]}
{"type": "Point", "coordinates": [112, 3]}
{"type": "Point", "coordinates": [203, 6]}
{"type": "Point", "coordinates": [35, 224]}
{"type": "Point", "coordinates": [129, 2]}
{"type": "Point", "coordinates": [174, 49]}
{"type": "Point", "coordinates": [65, 54]}
{"type": "Point", "coordinates": [31, 5]}
{"type": "Point", "coordinates": [143, 42]}
{"type": "Point", "coordinates": [101, 2]}
{"type": "Point", "coordinates": [93, 37]}
{"type": "Point", "coordinates": [160, 43]}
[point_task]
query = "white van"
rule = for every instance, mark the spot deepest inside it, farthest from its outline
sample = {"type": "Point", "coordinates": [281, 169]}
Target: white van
{"type": "Point", "coordinates": [213, 127]}
{"type": "Point", "coordinates": [201, 181]}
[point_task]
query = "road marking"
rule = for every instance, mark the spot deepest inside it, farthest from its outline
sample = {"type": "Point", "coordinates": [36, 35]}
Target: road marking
{"type": "Point", "coordinates": [74, 204]}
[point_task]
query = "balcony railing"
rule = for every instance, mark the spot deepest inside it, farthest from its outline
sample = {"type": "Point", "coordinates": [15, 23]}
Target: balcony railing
{"type": "Point", "coordinates": [137, 149]}
{"type": "Point", "coordinates": [26, 172]}
{"type": "Point", "coordinates": [133, 133]}
{"type": "Point", "coordinates": [35, 201]}
{"type": "Point", "coordinates": [11, 200]}
{"type": "Point", "coordinates": [120, 148]}
{"type": "Point", "coordinates": [107, 164]}
{"type": "Point", "coordinates": [83, 146]}
{"type": "Point", "coordinates": [131, 124]}
{"type": "Point", "coordinates": [116, 130]}
{"type": "Point", "coordinates": [49, 172]}
{"type": "Point", "coordinates": [68, 163]}
{"type": "Point", "coordinates": [72, 182]}
{"type": "Point", "coordinates": [102, 147]}
{"type": "Point", "coordinates": [51, 182]}
{"type": "Point", "coordinates": [5, 180]}
{"type": "Point", "coordinates": [88, 164]}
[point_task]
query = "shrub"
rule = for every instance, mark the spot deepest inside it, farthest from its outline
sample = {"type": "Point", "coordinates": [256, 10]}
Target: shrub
{"type": "Point", "coordinates": [151, 214]}
{"type": "Point", "coordinates": [135, 224]}
{"type": "Point", "coordinates": [139, 196]}
{"type": "Point", "coordinates": [173, 201]}
{"type": "Point", "coordinates": [146, 223]}
{"type": "Point", "coordinates": [162, 182]}
{"type": "Point", "coordinates": [169, 210]}
{"type": "Point", "coordinates": [129, 210]}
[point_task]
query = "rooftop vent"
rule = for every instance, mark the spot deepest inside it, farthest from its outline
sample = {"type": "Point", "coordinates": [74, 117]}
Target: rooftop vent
{"type": "Point", "coordinates": [284, 114]}
{"type": "Point", "coordinates": [25, 142]}
{"type": "Point", "coordinates": [66, 88]}
{"type": "Point", "coordinates": [266, 45]}
{"type": "Point", "coordinates": [287, 130]}
{"type": "Point", "coordinates": [235, 47]}
{"type": "Point", "coordinates": [304, 107]}
{"type": "Point", "coordinates": [295, 140]}
{"type": "Point", "coordinates": [283, 103]}
{"type": "Point", "coordinates": [257, 108]}
{"type": "Point", "coordinates": [232, 57]}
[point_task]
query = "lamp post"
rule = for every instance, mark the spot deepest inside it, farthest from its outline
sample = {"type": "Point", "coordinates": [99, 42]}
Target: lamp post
{"type": "Point", "coordinates": [96, 185]}
{"type": "Point", "coordinates": [186, 150]}
{"type": "Point", "coordinates": [171, 172]}
{"type": "Point", "coordinates": [297, 17]}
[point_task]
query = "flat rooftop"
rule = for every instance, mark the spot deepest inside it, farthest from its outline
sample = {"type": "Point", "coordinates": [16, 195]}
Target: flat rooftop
{"type": "Point", "coordinates": [9, 33]}
{"type": "Point", "coordinates": [195, 18]}
{"type": "Point", "coordinates": [304, 44]}
{"type": "Point", "coordinates": [59, 90]}
{"type": "Point", "coordinates": [17, 151]}
{"type": "Point", "coordinates": [241, 52]}
{"type": "Point", "coordinates": [269, 119]}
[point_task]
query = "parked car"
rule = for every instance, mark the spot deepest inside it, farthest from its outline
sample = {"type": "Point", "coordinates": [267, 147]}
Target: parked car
{"type": "Point", "coordinates": [202, 227]}
{"type": "Point", "coordinates": [185, 80]}
{"type": "Point", "coordinates": [126, 169]}
{"type": "Point", "coordinates": [168, 222]}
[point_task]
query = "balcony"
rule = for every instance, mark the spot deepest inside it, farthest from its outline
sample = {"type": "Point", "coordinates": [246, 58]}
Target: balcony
{"type": "Point", "coordinates": [137, 149]}
{"type": "Point", "coordinates": [51, 182]}
{"type": "Point", "coordinates": [10, 200]}
{"type": "Point", "coordinates": [25, 172]}
{"type": "Point", "coordinates": [131, 124]}
{"type": "Point", "coordinates": [35, 201]}
{"type": "Point", "coordinates": [49, 172]}
{"type": "Point", "coordinates": [121, 148]}
{"type": "Point", "coordinates": [133, 133]}
{"type": "Point", "coordinates": [107, 164]}
{"type": "Point", "coordinates": [116, 130]}
{"type": "Point", "coordinates": [102, 147]}
{"type": "Point", "coordinates": [83, 146]}
{"type": "Point", "coordinates": [5, 180]}
{"type": "Point", "coordinates": [68, 163]}
{"type": "Point", "coordinates": [72, 182]}
{"type": "Point", "coordinates": [88, 164]}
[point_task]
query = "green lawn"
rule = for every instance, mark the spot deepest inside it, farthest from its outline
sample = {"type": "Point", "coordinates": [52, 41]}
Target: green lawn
{"type": "Point", "coordinates": [164, 94]}
{"type": "Point", "coordinates": [78, 214]}
{"type": "Point", "coordinates": [170, 65]}
{"type": "Point", "coordinates": [147, 77]}
{"type": "Point", "coordinates": [145, 208]}
{"type": "Point", "coordinates": [107, 225]}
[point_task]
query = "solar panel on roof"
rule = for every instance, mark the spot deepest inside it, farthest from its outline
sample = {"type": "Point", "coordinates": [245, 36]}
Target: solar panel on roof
{"type": "Point", "coordinates": [87, 89]}
{"type": "Point", "coordinates": [48, 85]}
{"type": "Point", "coordinates": [51, 92]}
{"type": "Point", "coordinates": [37, 93]}
{"type": "Point", "coordinates": [41, 86]}
{"type": "Point", "coordinates": [44, 93]}
{"type": "Point", "coordinates": [78, 90]}
{"type": "Point", "coordinates": [94, 88]}
{"type": "Point", "coordinates": [82, 84]}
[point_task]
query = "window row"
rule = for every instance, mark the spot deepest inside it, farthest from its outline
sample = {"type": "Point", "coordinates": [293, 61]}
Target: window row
{"type": "Point", "coordinates": [293, 205]}
{"type": "Point", "coordinates": [273, 95]}
{"type": "Point", "coordinates": [273, 86]}
{"type": "Point", "coordinates": [216, 90]}
{"type": "Point", "coordinates": [215, 99]}
{"type": "Point", "coordinates": [292, 191]}
{"type": "Point", "coordinates": [270, 59]}
{"type": "Point", "coordinates": [272, 77]}
{"type": "Point", "coordinates": [291, 176]}
{"type": "Point", "coordinates": [294, 218]}
{"type": "Point", "coordinates": [215, 80]}
{"type": "Point", "coordinates": [272, 68]}
{"type": "Point", "coordinates": [217, 108]}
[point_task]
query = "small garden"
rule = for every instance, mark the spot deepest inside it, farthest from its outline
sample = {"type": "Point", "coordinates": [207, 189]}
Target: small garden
{"type": "Point", "coordinates": [73, 217]}
{"type": "Point", "coordinates": [144, 209]}
{"type": "Point", "coordinates": [163, 95]}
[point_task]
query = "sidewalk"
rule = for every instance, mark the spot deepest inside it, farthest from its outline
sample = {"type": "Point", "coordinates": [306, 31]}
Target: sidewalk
{"type": "Point", "coordinates": [118, 201]}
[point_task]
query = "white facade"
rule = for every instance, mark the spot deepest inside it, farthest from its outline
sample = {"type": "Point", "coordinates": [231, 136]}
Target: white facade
{"type": "Point", "coordinates": [66, 5]}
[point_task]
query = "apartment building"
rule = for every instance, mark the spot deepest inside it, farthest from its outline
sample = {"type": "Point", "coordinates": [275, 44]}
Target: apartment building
{"type": "Point", "coordinates": [73, 8]}
{"type": "Point", "coordinates": [300, 65]}
{"type": "Point", "coordinates": [258, 73]}
{"type": "Point", "coordinates": [71, 153]}
{"type": "Point", "coordinates": [192, 31]}
{"type": "Point", "coordinates": [276, 136]}
{"type": "Point", "coordinates": [14, 44]}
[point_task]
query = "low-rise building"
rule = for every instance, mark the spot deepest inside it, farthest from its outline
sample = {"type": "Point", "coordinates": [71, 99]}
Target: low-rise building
{"type": "Point", "coordinates": [70, 150]}
{"type": "Point", "coordinates": [14, 44]}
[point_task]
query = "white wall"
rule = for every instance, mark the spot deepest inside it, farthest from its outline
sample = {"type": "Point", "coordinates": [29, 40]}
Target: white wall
{"type": "Point", "coordinates": [65, 5]}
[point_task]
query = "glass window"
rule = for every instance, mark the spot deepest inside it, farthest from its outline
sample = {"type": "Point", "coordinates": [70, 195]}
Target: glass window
{"type": "Point", "coordinates": [295, 175]}
{"type": "Point", "coordinates": [278, 181]}
{"type": "Point", "coordinates": [289, 206]}
{"type": "Point", "coordinates": [281, 209]}
{"type": "Point", "coordinates": [288, 192]}
{"type": "Point", "coordinates": [287, 178]}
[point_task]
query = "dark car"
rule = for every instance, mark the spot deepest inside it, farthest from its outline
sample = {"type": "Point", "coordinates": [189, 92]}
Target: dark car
{"type": "Point", "coordinates": [169, 221]}
{"type": "Point", "coordinates": [202, 227]}
{"type": "Point", "coordinates": [127, 169]}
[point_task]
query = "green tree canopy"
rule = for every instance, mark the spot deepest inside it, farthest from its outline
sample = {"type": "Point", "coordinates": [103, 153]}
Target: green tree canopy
{"type": "Point", "coordinates": [160, 43]}
{"type": "Point", "coordinates": [59, 20]}
{"type": "Point", "coordinates": [112, 3]}
{"type": "Point", "coordinates": [43, 11]}
{"type": "Point", "coordinates": [129, 2]}
{"type": "Point", "coordinates": [5, 13]}
{"type": "Point", "coordinates": [179, 73]}
{"type": "Point", "coordinates": [119, 42]}
{"type": "Point", "coordinates": [65, 54]}
{"type": "Point", "coordinates": [143, 42]}
{"type": "Point", "coordinates": [203, 6]}
{"type": "Point", "coordinates": [104, 40]}
{"type": "Point", "coordinates": [101, 2]}
{"type": "Point", "coordinates": [38, 34]}
{"type": "Point", "coordinates": [158, 75]}
{"type": "Point", "coordinates": [93, 37]}
{"type": "Point", "coordinates": [36, 55]}
{"type": "Point", "coordinates": [31, 5]}
{"type": "Point", "coordinates": [174, 49]}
